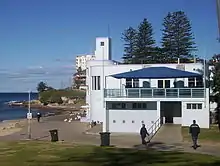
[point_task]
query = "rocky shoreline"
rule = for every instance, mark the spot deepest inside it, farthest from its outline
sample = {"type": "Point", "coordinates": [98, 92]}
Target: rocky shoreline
{"type": "Point", "coordinates": [54, 108]}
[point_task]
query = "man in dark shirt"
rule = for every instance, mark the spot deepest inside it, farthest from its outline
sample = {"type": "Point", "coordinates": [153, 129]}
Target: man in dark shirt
{"type": "Point", "coordinates": [194, 130]}
{"type": "Point", "coordinates": [38, 116]}
{"type": "Point", "coordinates": [143, 133]}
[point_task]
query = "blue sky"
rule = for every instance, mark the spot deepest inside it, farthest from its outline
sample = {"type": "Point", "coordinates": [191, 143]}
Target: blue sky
{"type": "Point", "coordinates": [39, 39]}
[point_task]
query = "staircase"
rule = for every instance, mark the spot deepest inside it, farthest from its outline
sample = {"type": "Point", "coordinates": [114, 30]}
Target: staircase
{"type": "Point", "coordinates": [155, 128]}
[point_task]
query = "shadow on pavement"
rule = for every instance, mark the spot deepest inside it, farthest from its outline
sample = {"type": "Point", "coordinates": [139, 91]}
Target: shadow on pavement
{"type": "Point", "coordinates": [40, 138]}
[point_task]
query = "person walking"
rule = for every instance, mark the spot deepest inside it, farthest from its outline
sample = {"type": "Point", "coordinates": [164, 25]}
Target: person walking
{"type": "Point", "coordinates": [144, 134]}
{"type": "Point", "coordinates": [38, 116]}
{"type": "Point", "coordinates": [194, 130]}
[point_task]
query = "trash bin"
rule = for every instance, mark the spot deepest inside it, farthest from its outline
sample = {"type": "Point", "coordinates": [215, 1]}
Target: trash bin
{"type": "Point", "coordinates": [105, 138]}
{"type": "Point", "coordinates": [54, 135]}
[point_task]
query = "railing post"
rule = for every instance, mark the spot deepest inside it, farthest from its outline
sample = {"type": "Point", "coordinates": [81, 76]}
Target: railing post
{"type": "Point", "coordinates": [165, 92]}
{"type": "Point", "coordinates": [191, 93]}
{"type": "Point", "coordinates": [178, 92]}
{"type": "Point", "coordinates": [152, 92]}
{"type": "Point", "coordinates": [139, 93]}
{"type": "Point", "coordinates": [126, 91]}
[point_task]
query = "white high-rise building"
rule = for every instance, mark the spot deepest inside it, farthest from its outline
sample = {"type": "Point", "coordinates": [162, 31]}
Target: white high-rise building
{"type": "Point", "coordinates": [82, 59]}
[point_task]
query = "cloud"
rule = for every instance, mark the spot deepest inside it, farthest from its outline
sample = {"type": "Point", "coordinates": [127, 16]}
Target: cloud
{"type": "Point", "coordinates": [40, 71]}
{"type": "Point", "coordinates": [30, 76]}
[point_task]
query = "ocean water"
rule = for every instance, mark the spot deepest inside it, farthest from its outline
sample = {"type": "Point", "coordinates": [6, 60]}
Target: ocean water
{"type": "Point", "coordinates": [11, 113]}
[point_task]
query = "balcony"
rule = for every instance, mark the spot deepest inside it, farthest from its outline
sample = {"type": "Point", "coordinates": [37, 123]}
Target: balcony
{"type": "Point", "coordinates": [155, 93]}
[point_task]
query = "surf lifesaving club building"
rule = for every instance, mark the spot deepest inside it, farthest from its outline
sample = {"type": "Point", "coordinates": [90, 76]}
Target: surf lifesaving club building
{"type": "Point", "coordinates": [123, 97]}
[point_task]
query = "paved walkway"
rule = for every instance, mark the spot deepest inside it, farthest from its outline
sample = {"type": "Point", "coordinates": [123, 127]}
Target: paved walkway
{"type": "Point", "coordinates": [169, 134]}
{"type": "Point", "coordinates": [168, 138]}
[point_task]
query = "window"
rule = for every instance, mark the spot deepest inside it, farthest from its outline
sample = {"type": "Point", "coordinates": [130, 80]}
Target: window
{"type": "Point", "coordinates": [114, 121]}
{"type": "Point", "coordinates": [194, 106]}
{"type": "Point", "coordinates": [144, 106]}
{"type": "Point", "coordinates": [96, 83]}
{"type": "Point", "coordinates": [167, 83]}
{"type": "Point", "coordinates": [163, 83]}
{"type": "Point", "coordinates": [123, 121]}
{"type": "Point", "coordinates": [191, 82]}
{"type": "Point", "coordinates": [200, 106]}
{"type": "Point", "coordinates": [150, 105]}
{"type": "Point", "coordinates": [128, 83]}
{"type": "Point", "coordinates": [188, 106]}
{"type": "Point", "coordinates": [134, 106]}
{"type": "Point", "coordinates": [199, 82]}
{"type": "Point", "coordinates": [132, 83]}
{"type": "Point", "coordinates": [160, 83]}
{"type": "Point", "coordinates": [117, 106]}
{"type": "Point", "coordinates": [132, 121]}
{"type": "Point", "coordinates": [135, 83]}
{"type": "Point", "coordinates": [102, 43]}
{"type": "Point", "coordinates": [129, 106]}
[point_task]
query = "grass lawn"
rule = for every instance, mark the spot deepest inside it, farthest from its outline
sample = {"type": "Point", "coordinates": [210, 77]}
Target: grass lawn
{"type": "Point", "coordinates": [206, 135]}
{"type": "Point", "coordinates": [60, 154]}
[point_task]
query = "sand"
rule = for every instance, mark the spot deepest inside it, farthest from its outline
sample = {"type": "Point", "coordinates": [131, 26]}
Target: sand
{"type": "Point", "coordinates": [11, 126]}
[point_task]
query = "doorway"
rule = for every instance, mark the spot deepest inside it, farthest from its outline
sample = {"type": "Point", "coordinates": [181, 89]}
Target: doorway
{"type": "Point", "coordinates": [171, 111]}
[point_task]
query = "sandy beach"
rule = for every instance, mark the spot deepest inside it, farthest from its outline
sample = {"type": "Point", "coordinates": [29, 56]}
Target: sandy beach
{"type": "Point", "coordinates": [11, 126]}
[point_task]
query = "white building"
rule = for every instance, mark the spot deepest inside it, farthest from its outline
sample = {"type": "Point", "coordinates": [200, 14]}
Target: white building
{"type": "Point", "coordinates": [124, 104]}
{"type": "Point", "coordinates": [82, 59]}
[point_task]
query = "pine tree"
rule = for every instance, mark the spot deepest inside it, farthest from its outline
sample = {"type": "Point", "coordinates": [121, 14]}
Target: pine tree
{"type": "Point", "coordinates": [177, 40]}
{"type": "Point", "coordinates": [145, 46]}
{"type": "Point", "coordinates": [215, 85]}
{"type": "Point", "coordinates": [129, 37]}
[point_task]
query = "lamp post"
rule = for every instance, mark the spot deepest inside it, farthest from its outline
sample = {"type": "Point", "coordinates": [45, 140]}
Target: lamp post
{"type": "Point", "coordinates": [105, 135]}
{"type": "Point", "coordinates": [29, 114]}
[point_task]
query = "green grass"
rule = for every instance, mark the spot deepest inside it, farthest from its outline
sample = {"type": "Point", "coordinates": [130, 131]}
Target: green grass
{"type": "Point", "coordinates": [206, 135]}
{"type": "Point", "coordinates": [60, 154]}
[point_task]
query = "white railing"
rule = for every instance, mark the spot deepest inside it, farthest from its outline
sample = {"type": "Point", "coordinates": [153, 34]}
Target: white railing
{"type": "Point", "coordinates": [155, 127]}
{"type": "Point", "coordinates": [155, 93]}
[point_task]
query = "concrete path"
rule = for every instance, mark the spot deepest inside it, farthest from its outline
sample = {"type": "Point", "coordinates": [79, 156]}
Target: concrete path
{"type": "Point", "coordinates": [169, 134]}
{"type": "Point", "coordinates": [168, 138]}
{"type": "Point", "coordinates": [69, 132]}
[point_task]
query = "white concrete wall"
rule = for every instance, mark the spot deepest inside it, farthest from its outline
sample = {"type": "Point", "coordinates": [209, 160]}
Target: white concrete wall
{"type": "Point", "coordinates": [200, 115]}
{"type": "Point", "coordinates": [147, 116]}
{"type": "Point", "coordinates": [103, 52]}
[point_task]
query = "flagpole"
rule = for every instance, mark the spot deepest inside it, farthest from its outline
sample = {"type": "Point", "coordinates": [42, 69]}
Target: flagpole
{"type": "Point", "coordinates": [103, 97]}
{"type": "Point", "coordinates": [204, 75]}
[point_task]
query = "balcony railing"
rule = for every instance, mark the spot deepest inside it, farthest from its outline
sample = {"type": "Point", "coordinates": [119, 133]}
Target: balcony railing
{"type": "Point", "coordinates": [155, 93]}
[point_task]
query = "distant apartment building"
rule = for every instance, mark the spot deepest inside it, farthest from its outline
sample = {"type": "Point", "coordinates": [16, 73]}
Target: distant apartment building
{"type": "Point", "coordinates": [82, 59]}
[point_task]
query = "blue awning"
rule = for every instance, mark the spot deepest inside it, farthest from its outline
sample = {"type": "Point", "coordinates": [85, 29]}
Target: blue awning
{"type": "Point", "coordinates": [156, 73]}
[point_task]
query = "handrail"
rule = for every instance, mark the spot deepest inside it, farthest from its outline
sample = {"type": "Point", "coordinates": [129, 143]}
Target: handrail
{"type": "Point", "coordinates": [155, 127]}
{"type": "Point", "coordinates": [155, 93]}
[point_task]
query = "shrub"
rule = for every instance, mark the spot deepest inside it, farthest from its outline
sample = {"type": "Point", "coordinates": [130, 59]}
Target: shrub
{"type": "Point", "coordinates": [54, 96]}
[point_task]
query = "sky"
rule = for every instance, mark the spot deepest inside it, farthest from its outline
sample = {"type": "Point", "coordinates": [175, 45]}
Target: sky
{"type": "Point", "coordinates": [39, 39]}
